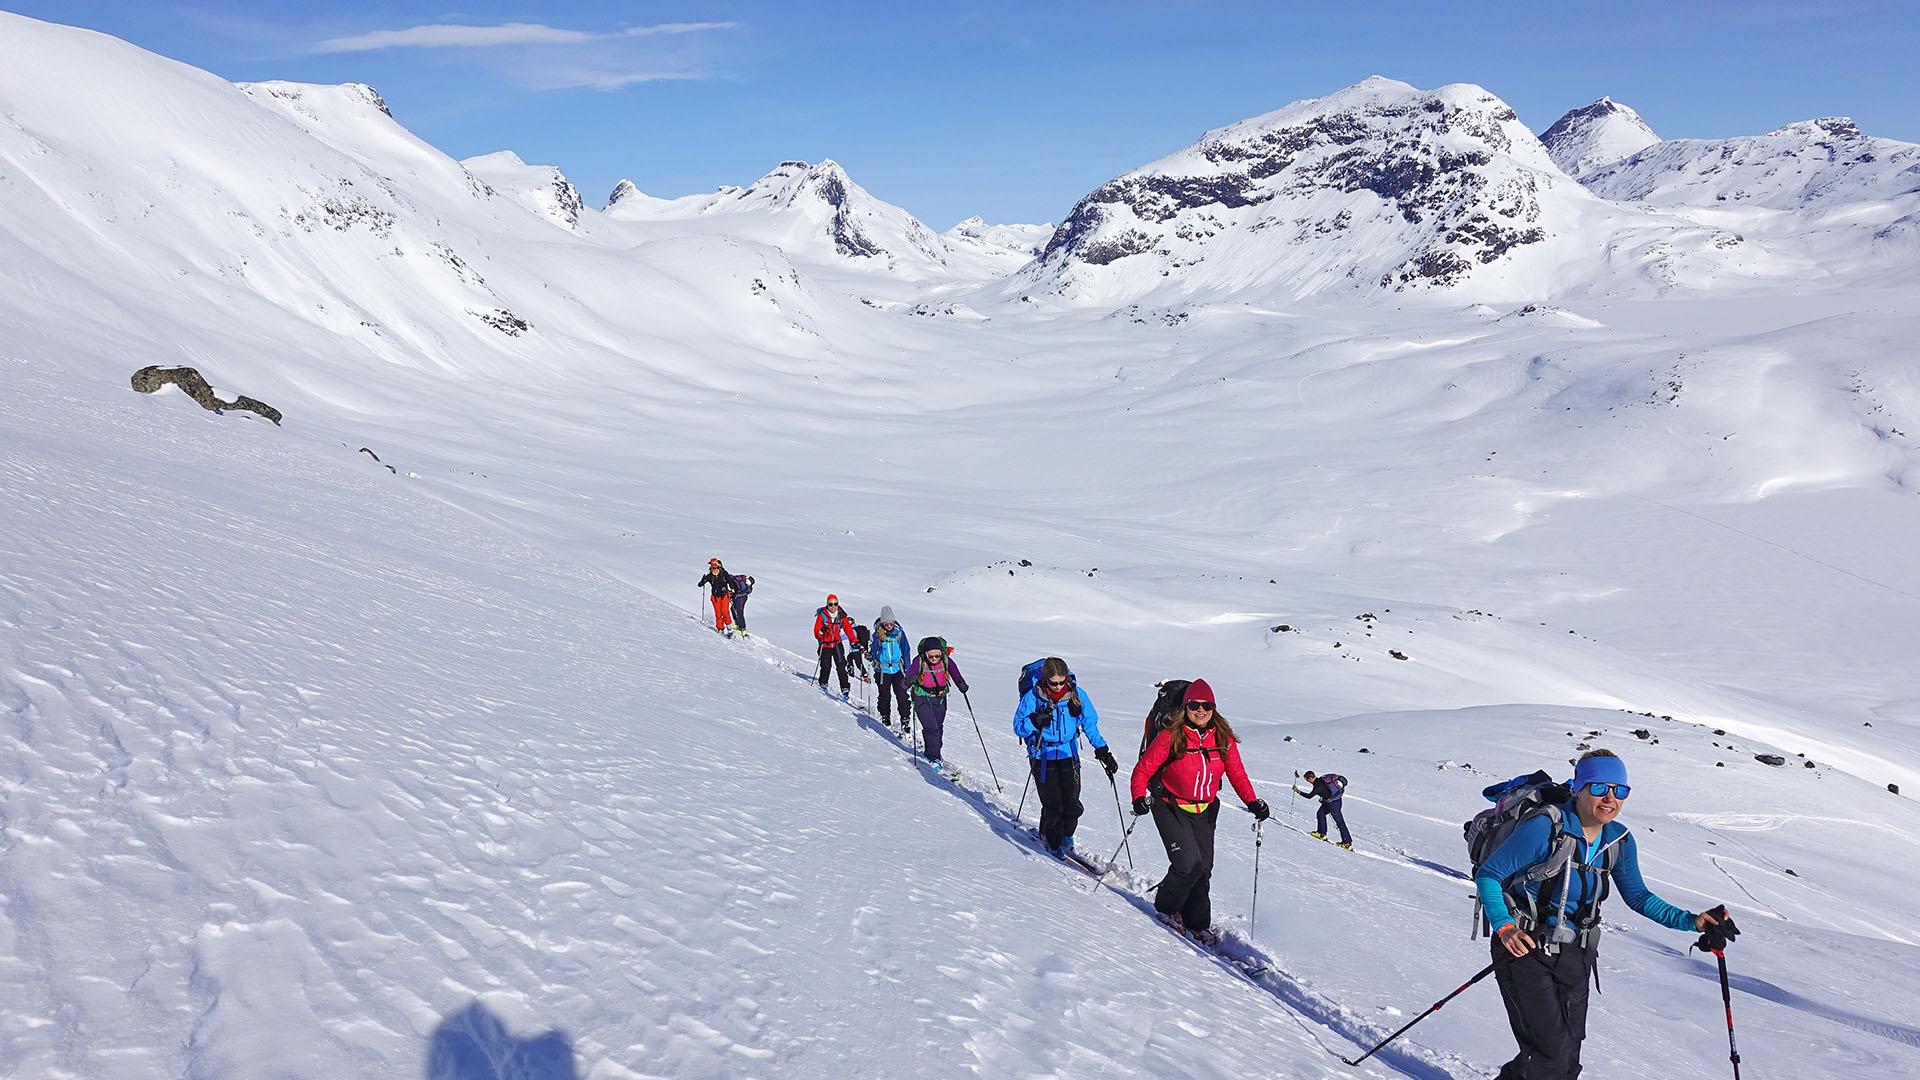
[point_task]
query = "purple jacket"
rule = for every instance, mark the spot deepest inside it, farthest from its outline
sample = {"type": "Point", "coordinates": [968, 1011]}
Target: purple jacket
{"type": "Point", "coordinates": [938, 687]}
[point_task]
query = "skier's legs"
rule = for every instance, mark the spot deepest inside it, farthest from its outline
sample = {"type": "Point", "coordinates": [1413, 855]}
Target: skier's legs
{"type": "Point", "coordinates": [1183, 857]}
{"type": "Point", "coordinates": [1197, 912]}
{"type": "Point", "coordinates": [1546, 1000]}
{"type": "Point", "coordinates": [826, 661]}
{"type": "Point", "coordinates": [900, 690]}
{"type": "Point", "coordinates": [722, 613]}
{"type": "Point", "coordinates": [1320, 820]}
{"type": "Point", "coordinates": [1058, 785]}
{"type": "Point", "coordinates": [1339, 818]}
{"type": "Point", "coordinates": [739, 611]}
{"type": "Point", "coordinates": [932, 714]}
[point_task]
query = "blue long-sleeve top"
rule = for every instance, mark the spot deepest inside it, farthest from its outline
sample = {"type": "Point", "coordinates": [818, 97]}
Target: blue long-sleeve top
{"type": "Point", "coordinates": [1530, 845]}
{"type": "Point", "coordinates": [889, 652]}
{"type": "Point", "coordinates": [1058, 737]}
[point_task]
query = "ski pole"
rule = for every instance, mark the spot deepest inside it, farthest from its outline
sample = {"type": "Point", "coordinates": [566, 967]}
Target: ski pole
{"type": "Point", "coordinates": [1115, 785]}
{"type": "Point", "coordinates": [1726, 998]}
{"type": "Point", "coordinates": [1254, 912]}
{"type": "Point", "coordinates": [1431, 1009]}
{"type": "Point", "coordinates": [983, 746]}
{"type": "Point", "coordinates": [1123, 841]}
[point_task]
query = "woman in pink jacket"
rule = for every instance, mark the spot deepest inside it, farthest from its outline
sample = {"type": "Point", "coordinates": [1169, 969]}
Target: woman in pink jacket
{"type": "Point", "coordinates": [1178, 781]}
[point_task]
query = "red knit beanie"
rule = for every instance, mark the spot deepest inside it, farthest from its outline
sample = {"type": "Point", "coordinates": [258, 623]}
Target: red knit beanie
{"type": "Point", "coordinates": [1198, 690]}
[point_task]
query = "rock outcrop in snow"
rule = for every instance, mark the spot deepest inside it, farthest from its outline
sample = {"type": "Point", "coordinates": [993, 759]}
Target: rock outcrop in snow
{"type": "Point", "coordinates": [1809, 164]}
{"type": "Point", "coordinates": [1378, 186]}
{"type": "Point", "coordinates": [1596, 135]}
{"type": "Point", "coordinates": [541, 188]}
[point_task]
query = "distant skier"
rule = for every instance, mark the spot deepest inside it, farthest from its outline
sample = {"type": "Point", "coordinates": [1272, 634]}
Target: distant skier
{"type": "Point", "coordinates": [742, 588]}
{"type": "Point", "coordinates": [719, 583]}
{"type": "Point", "coordinates": [1052, 714]}
{"type": "Point", "coordinates": [1330, 790]}
{"type": "Point", "coordinates": [857, 649]}
{"type": "Point", "coordinates": [930, 675]}
{"type": "Point", "coordinates": [1547, 931]}
{"type": "Point", "coordinates": [1178, 781]}
{"type": "Point", "coordinates": [887, 648]}
{"type": "Point", "coordinates": [833, 632]}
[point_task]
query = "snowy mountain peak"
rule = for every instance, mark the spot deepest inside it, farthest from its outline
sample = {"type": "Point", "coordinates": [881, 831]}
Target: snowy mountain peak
{"type": "Point", "coordinates": [543, 189]}
{"type": "Point", "coordinates": [1819, 162]}
{"type": "Point", "coordinates": [1596, 135]}
{"type": "Point", "coordinates": [1376, 185]}
{"type": "Point", "coordinates": [623, 190]}
{"type": "Point", "coordinates": [1024, 241]}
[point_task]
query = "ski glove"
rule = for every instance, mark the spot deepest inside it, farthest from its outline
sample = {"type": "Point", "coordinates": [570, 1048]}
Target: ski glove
{"type": "Point", "coordinates": [1142, 806]}
{"type": "Point", "coordinates": [1720, 934]}
{"type": "Point", "coordinates": [1105, 757]}
{"type": "Point", "coordinates": [1259, 809]}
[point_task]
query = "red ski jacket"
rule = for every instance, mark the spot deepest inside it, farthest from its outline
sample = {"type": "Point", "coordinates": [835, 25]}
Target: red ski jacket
{"type": "Point", "coordinates": [830, 633]}
{"type": "Point", "coordinates": [1195, 776]}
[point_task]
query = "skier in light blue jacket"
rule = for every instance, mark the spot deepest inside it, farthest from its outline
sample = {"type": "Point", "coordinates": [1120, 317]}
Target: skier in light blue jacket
{"type": "Point", "coordinates": [1543, 953]}
{"type": "Point", "coordinates": [1052, 715]}
{"type": "Point", "coordinates": [887, 648]}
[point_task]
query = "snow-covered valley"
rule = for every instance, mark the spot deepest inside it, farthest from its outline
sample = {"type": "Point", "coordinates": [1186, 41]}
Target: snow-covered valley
{"type": "Point", "coordinates": [315, 767]}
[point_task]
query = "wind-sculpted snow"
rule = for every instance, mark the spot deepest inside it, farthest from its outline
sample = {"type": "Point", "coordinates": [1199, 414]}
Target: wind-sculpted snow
{"type": "Point", "coordinates": [1807, 165]}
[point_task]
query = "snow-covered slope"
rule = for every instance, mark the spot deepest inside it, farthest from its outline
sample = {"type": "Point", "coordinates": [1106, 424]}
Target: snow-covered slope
{"type": "Point", "coordinates": [1810, 164]}
{"type": "Point", "coordinates": [311, 768]}
{"type": "Point", "coordinates": [542, 188]}
{"type": "Point", "coordinates": [1379, 187]}
{"type": "Point", "coordinates": [1594, 135]}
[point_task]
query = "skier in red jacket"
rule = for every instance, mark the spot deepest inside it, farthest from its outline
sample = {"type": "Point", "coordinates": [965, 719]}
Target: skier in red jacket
{"type": "Point", "coordinates": [1178, 780]}
{"type": "Point", "coordinates": [834, 632]}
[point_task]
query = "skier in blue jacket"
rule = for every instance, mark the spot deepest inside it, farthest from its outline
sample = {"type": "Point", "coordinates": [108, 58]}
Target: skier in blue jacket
{"type": "Point", "coordinates": [887, 648]}
{"type": "Point", "coordinates": [1543, 954]}
{"type": "Point", "coordinates": [1050, 719]}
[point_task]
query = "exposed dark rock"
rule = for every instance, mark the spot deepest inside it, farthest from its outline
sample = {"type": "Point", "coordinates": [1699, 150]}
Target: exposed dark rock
{"type": "Point", "coordinates": [376, 457]}
{"type": "Point", "coordinates": [504, 321]}
{"type": "Point", "coordinates": [1396, 654]}
{"type": "Point", "coordinates": [149, 379]}
{"type": "Point", "coordinates": [1770, 759]}
{"type": "Point", "coordinates": [1642, 733]}
{"type": "Point", "coordinates": [1895, 788]}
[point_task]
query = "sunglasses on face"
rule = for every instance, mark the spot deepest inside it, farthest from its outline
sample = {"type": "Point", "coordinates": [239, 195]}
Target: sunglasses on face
{"type": "Point", "coordinates": [1599, 789]}
{"type": "Point", "coordinates": [1056, 682]}
{"type": "Point", "coordinates": [1200, 706]}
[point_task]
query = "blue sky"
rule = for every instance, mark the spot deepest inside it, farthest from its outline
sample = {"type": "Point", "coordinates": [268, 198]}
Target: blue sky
{"type": "Point", "coordinates": [1010, 110]}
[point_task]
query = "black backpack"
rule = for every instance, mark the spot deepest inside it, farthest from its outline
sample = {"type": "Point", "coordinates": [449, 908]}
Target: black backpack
{"type": "Point", "coordinates": [1166, 706]}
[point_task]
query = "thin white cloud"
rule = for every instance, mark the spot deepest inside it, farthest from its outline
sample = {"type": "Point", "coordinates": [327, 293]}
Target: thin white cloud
{"type": "Point", "coordinates": [603, 80]}
{"type": "Point", "coordinates": [462, 36]}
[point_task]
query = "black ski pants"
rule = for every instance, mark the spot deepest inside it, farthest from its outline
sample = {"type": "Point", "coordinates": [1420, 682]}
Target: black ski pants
{"type": "Point", "coordinates": [931, 711]}
{"type": "Point", "coordinates": [1546, 998]}
{"type": "Point", "coordinates": [739, 611]}
{"type": "Point", "coordinates": [834, 656]}
{"type": "Point", "coordinates": [1187, 890]}
{"type": "Point", "coordinates": [894, 685]}
{"type": "Point", "coordinates": [1058, 785]}
{"type": "Point", "coordinates": [1332, 810]}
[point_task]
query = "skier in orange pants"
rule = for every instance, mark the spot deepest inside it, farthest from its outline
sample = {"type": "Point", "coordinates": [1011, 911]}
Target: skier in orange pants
{"type": "Point", "coordinates": [720, 584]}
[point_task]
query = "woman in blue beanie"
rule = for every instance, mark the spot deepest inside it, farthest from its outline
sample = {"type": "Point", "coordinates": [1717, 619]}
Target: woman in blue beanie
{"type": "Point", "coordinates": [1542, 890]}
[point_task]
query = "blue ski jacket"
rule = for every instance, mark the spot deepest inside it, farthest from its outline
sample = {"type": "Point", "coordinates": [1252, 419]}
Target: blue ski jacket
{"type": "Point", "coordinates": [1532, 843]}
{"type": "Point", "coordinates": [889, 652]}
{"type": "Point", "coordinates": [1059, 737]}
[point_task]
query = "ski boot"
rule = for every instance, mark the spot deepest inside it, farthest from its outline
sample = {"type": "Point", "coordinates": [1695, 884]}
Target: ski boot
{"type": "Point", "coordinates": [1172, 922]}
{"type": "Point", "coordinates": [1207, 937]}
{"type": "Point", "coordinates": [1345, 844]}
{"type": "Point", "coordinates": [1318, 835]}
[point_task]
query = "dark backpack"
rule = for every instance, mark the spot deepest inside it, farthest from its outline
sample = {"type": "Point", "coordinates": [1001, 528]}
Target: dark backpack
{"type": "Point", "coordinates": [864, 635]}
{"type": "Point", "coordinates": [1517, 801]}
{"type": "Point", "coordinates": [1165, 707]}
{"type": "Point", "coordinates": [742, 585]}
{"type": "Point", "coordinates": [1030, 677]}
{"type": "Point", "coordinates": [1337, 786]}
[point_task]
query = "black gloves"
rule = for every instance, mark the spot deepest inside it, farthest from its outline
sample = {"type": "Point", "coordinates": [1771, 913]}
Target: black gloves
{"type": "Point", "coordinates": [1105, 757]}
{"type": "Point", "coordinates": [1040, 718]}
{"type": "Point", "coordinates": [1718, 934]}
{"type": "Point", "coordinates": [1142, 806]}
{"type": "Point", "coordinates": [1259, 809]}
